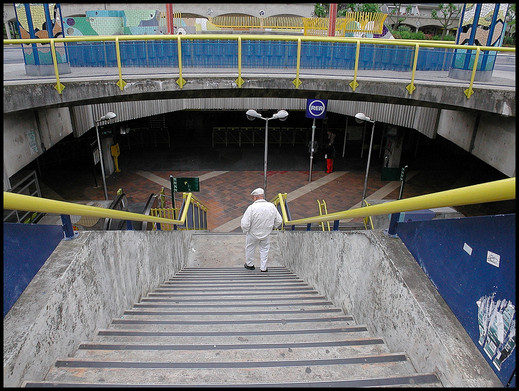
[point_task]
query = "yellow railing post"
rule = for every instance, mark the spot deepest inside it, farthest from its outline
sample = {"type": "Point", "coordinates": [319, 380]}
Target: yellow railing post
{"type": "Point", "coordinates": [239, 80]}
{"type": "Point", "coordinates": [298, 82]}
{"type": "Point", "coordinates": [180, 81]}
{"type": "Point", "coordinates": [469, 90]}
{"type": "Point", "coordinates": [411, 87]}
{"type": "Point", "coordinates": [353, 83]}
{"type": "Point", "coordinates": [121, 83]}
{"type": "Point", "coordinates": [58, 85]}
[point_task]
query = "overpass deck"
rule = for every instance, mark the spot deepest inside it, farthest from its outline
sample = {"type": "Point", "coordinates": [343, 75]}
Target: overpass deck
{"type": "Point", "coordinates": [433, 88]}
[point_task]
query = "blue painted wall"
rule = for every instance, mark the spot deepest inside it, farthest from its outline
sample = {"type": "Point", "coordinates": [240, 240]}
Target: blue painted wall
{"type": "Point", "coordinates": [469, 260]}
{"type": "Point", "coordinates": [26, 248]}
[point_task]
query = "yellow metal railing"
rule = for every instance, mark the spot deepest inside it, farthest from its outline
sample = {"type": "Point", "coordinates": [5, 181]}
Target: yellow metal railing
{"type": "Point", "coordinates": [500, 190]}
{"type": "Point", "coordinates": [367, 220]}
{"type": "Point", "coordinates": [254, 22]}
{"type": "Point", "coordinates": [286, 38]}
{"type": "Point", "coordinates": [352, 22]}
{"type": "Point", "coordinates": [323, 210]}
{"type": "Point", "coordinates": [167, 213]}
{"type": "Point", "coordinates": [14, 201]}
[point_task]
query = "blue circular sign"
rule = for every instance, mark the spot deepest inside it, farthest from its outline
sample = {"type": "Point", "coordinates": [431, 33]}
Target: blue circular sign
{"type": "Point", "coordinates": [316, 108]}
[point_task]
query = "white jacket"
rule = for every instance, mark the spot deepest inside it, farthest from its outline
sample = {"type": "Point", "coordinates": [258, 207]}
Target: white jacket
{"type": "Point", "coordinates": [260, 218]}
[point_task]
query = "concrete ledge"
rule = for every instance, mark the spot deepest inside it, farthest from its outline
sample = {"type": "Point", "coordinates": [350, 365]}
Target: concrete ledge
{"type": "Point", "coordinates": [83, 285]}
{"type": "Point", "coordinates": [374, 278]}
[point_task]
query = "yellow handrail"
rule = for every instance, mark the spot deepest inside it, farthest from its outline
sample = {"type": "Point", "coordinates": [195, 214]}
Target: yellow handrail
{"type": "Point", "coordinates": [368, 219]}
{"type": "Point", "coordinates": [13, 201]}
{"type": "Point", "coordinates": [322, 205]}
{"type": "Point", "coordinates": [374, 41]}
{"type": "Point", "coordinates": [500, 190]}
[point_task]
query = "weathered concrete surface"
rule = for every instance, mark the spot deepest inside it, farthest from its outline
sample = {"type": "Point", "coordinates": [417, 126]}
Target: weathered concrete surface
{"type": "Point", "coordinates": [84, 284]}
{"type": "Point", "coordinates": [226, 249]}
{"type": "Point", "coordinates": [375, 278]}
{"type": "Point", "coordinates": [87, 90]}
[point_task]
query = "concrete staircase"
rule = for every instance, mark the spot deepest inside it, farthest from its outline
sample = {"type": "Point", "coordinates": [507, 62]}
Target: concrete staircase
{"type": "Point", "coordinates": [228, 326]}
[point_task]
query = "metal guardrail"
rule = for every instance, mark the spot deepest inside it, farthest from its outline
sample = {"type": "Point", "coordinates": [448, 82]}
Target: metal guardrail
{"type": "Point", "coordinates": [359, 22]}
{"type": "Point", "coordinates": [416, 45]}
{"type": "Point", "coordinates": [28, 185]}
{"type": "Point", "coordinates": [500, 190]}
{"type": "Point", "coordinates": [29, 203]}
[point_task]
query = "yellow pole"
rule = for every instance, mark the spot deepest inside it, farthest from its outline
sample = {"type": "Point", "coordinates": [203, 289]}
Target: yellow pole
{"type": "Point", "coordinates": [58, 86]}
{"type": "Point", "coordinates": [469, 91]}
{"type": "Point", "coordinates": [121, 83]}
{"type": "Point", "coordinates": [239, 80]}
{"type": "Point", "coordinates": [411, 86]}
{"type": "Point", "coordinates": [298, 82]}
{"type": "Point", "coordinates": [180, 81]}
{"type": "Point", "coordinates": [353, 83]}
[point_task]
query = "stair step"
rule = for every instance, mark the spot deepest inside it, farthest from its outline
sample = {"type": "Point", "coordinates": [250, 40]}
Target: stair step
{"type": "Point", "coordinates": [231, 327]}
{"type": "Point", "coordinates": [236, 352]}
{"type": "Point", "coordinates": [229, 337]}
{"type": "Point", "coordinates": [152, 324]}
{"type": "Point", "coordinates": [415, 380]}
{"type": "Point", "coordinates": [230, 372]}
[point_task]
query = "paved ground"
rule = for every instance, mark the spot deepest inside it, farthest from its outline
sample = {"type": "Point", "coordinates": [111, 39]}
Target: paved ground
{"type": "Point", "coordinates": [228, 175]}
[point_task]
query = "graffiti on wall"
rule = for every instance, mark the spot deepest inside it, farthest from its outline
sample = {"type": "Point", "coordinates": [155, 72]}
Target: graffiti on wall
{"type": "Point", "coordinates": [105, 22]}
{"type": "Point", "coordinates": [45, 22]}
{"type": "Point", "coordinates": [483, 25]}
{"type": "Point", "coordinates": [496, 320]}
{"type": "Point", "coordinates": [132, 22]}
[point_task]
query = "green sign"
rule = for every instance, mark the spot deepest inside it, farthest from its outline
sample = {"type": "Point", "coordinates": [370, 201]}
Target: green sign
{"type": "Point", "coordinates": [187, 185]}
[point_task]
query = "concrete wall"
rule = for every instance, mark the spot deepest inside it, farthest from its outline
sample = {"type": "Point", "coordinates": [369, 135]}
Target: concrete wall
{"type": "Point", "coordinates": [489, 137]}
{"type": "Point", "coordinates": [204, 10]}
{"type": "Point", "coordinates": [84, 284]}
{"type": "Point", "coordinates": [27, 135]}
{"type": "Point", "coordinates": [375, 278]}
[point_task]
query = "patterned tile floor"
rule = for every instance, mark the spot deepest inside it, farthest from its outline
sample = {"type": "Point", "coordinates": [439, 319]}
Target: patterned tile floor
{"type": "Point", "coordinates": [226, 193]}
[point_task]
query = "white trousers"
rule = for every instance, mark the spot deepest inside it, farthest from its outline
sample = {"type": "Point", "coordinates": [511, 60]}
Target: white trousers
{"type": "Point", "coordinates": [250, 248]}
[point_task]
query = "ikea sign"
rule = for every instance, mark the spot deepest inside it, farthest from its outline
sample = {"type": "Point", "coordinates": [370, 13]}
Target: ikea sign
{"type": "Point", "coordinates": [316, 108]}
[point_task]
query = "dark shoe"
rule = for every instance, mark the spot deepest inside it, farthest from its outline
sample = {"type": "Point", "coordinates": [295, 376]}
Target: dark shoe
{"type": "Point", "coordinates": [249, 267]}
{"type": "Point", "coordinates": [264, 271]}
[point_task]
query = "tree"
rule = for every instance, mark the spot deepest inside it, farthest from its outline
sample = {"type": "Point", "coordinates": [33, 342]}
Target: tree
{"type": "Point", "coordinates": [510, 21]}
{"type": "Point", "coordinates": [321, 9]}
{"type": "Point", "coordinates": [344, 8]}
{"type": "Point", "coordinates": [395, 16]}
{"type": "Point", "coordinates": [449, 12]}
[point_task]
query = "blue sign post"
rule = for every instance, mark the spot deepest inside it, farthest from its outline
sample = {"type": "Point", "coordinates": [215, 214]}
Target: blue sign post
{"type": "Point", "coordinates": [315, 108]}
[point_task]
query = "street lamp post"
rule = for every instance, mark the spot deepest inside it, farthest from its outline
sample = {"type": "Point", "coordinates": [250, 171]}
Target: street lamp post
{"type": "Point", "coordinates": [362, 117]}
{"type": "Point", "coordinates": [108, 116]}
{"type": "Point", "coordinates": [281, 115]}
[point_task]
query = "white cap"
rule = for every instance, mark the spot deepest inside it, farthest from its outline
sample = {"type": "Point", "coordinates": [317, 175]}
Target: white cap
{"type": "Point", "coordinates": [258, 191]}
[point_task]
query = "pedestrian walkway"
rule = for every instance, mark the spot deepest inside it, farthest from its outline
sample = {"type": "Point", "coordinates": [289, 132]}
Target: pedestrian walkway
{"type": "Point", "coordinates": [225, 190]}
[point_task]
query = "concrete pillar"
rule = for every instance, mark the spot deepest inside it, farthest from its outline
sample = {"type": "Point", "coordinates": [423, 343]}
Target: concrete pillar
{"type": "Point", "coordinates": [332, 19]}
{"type": "Point", "coordinates": [392, 154]}
{"type": "Point", "coordinates": [393, 147]}
{"type": "Point", "coordinates": [8, 30]}
{"type": "Point", "coordinates": [41, 20]}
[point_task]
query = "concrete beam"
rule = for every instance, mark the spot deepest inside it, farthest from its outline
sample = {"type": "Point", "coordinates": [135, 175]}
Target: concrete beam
{"type": "Point", "coordinates": [427, 94]}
